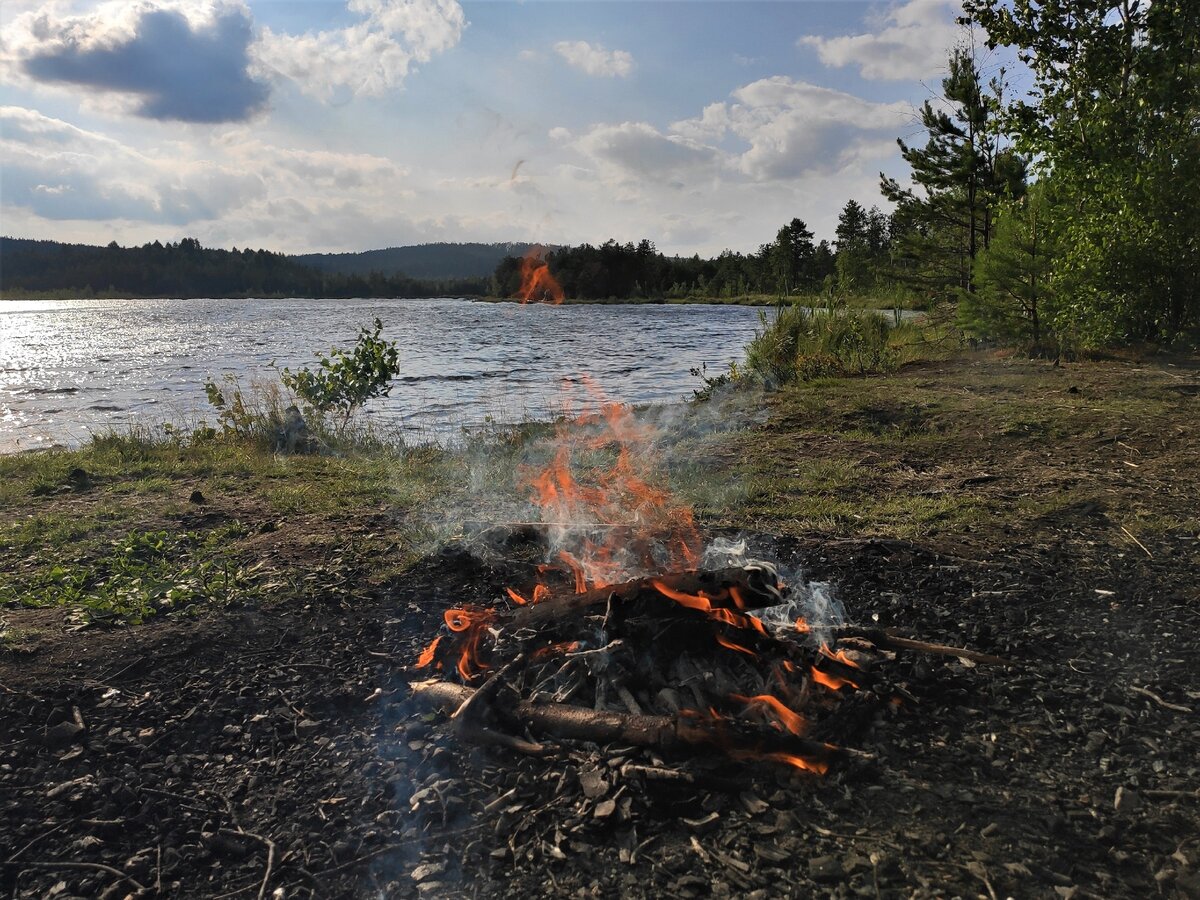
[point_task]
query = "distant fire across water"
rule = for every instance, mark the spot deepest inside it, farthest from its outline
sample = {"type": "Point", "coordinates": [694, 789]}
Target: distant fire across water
{"type": "Point", "coordinates": [537, 284]}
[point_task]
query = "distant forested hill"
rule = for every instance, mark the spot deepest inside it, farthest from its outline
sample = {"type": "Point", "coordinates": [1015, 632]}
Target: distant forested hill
{"type": "Point", "coordinates": [421, 261]}
{"type": "Point", "coordinates": [186, 269]}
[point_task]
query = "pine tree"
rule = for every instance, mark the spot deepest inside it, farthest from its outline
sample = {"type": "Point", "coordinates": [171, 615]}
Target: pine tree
{"type": "Point", "coordinates": [958, 179]}
{"type": "Point", "coordinates": [1013, 274]}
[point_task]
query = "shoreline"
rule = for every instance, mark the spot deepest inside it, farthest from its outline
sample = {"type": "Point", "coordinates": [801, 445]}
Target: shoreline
{"type": "Point", "coordinates": [757, 301]}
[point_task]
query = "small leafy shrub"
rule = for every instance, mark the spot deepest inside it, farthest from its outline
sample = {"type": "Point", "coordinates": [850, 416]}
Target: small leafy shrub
{"type": "Point", "coordinates": [713, 383]}
{"type": "Point", "coordinates": [344, 380]}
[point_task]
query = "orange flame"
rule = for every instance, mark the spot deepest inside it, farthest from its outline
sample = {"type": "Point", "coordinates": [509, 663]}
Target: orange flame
{"type": "Point", "coordinates": [799, 762]}
{"type": "Point", "coordinates": [516, 598]}
{"type": "Point", "coordinates": [553, 649]}
{"type": "Point", "coordinates": [426, 656]}
{"type": "Point", "coordinates": [732, 646]}
{"type": "Point", "coordinates": [833, 682]}
{"type": "Point", "coordinates": [736, 593]}
{"type": "Point", "coordinates": [791, 720]}
{"type": "Point", "coordinates": [615, 498]}
{"type": "Point", "coordinates": [704, 603]}
{"type": "Point", "coordinates": [691, 601]}
{"type": "Point", "coordinates": [537, 284]}
{"type": "Point", "coordinates": [802, 626]}
{"type": "Point", "coordinates": [840, 656]}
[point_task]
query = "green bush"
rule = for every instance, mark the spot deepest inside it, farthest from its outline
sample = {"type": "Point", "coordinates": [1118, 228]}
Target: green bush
{"type": "Point", "coordinates": [345, 380]}
{"type": "Point", "coordinates": [806, 344]}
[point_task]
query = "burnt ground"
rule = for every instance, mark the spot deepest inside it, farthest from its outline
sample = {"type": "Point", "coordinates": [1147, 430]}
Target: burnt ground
{"type": "Point", "coordinates": [277, 741]}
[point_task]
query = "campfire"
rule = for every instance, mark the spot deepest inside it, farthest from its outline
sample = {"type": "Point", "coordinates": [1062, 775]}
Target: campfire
{"type": "Point", "coordinates": [632, 629]}
{"type": "Point", "coordinates": [537, 284]}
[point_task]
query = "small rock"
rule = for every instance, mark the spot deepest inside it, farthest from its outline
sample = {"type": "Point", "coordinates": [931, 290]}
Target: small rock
{"type": "Point", "coordinates": [231, 730]}
{"type": "Point", "coordinates": [825, 869]}
{"type": "Point", "coordinates": [197, 498]}
{"type": "Point", "coordinates": [307, 726]}
{"type": "Point", "coordinates": [605, 808]}
{"type": "Point", "coordinates": [1127, 800]}
{"type": "Point", "coordinates": [990, 829]}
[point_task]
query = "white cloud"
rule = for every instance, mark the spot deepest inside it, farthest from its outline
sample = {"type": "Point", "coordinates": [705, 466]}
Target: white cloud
{"type": "Point", "coordinates": [640, 150]}
{"type": "Point", "coordinates": [206, 61]}
{"type": "Point", "coordinates": [370, 57]}
{"type": "Point", "coordinates": [912, 41]}
{"type": "Point", "coordinates": [61, 172]}
{"type": "Point", "coordinates": [595, 59]}
{"type": "Point", "coordinates": [794, 128]}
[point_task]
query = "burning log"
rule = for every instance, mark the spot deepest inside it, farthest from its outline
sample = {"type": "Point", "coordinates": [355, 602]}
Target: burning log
{"type": "Point", "coordinates": [739, 740]}
{"type": "Point", "coordinates": [732, 589]}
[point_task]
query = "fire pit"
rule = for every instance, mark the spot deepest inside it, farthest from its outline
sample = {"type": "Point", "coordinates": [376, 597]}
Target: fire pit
{"type": "Point", "coordinates": [629, 629]}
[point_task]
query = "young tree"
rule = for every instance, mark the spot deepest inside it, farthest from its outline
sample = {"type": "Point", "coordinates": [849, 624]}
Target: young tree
{"type": "Point", "coordinates": [1115, 120]}
{"type": "Point", "coordinates": [1013, 274]}
{"type": "Point", "coordinates": [958, 179]}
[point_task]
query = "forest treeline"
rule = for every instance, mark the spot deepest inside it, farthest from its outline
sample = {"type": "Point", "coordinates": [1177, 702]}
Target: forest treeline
{"type": "Point", "coordinates": [186, 269]}
{"type": "Point", "coordinates": [1065, 218]}
{"type": "Point", "coordinates": [437, 261]}
{"type": "Point", "coordinates": [793, 264]}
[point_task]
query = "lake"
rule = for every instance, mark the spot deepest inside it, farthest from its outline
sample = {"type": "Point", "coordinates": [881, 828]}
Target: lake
{"type": "Point", "coordinates": [71, 368]}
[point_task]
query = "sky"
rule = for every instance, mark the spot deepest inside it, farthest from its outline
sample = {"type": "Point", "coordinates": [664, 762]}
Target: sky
{"type": "Point", "coordinates": [345, 125]}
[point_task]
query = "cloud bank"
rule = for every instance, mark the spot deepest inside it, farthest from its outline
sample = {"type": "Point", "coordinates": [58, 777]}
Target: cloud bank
{"type": "Point", "coordinates": [912, 42]}
{"type": "Point", "coordinates": [369, 57]}
{"type": "Point", "coordinates": [190, 64]}
{"type": "Point", "coordinates": [205, 61]}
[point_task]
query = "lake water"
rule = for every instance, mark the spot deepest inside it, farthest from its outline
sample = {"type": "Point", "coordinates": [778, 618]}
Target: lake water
{"type": "Point", "coordinates": [74, 367]}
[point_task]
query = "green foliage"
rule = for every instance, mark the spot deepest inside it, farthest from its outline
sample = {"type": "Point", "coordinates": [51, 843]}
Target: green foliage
{"type": "Point", "coordinates": [345, 380]}
{"type": "Point", "coordinates": [46, 269]}
{"type": "Point", "coordinates": [944, 220]}
{"type": "Point", "coordinates": [1114, 124]}
{"type": "Point", "coordinates": [804, 344]}
{"type": "Point", "coordinates": [141, 575]}
{"type": "Point", "coordinates": [1014, 300]}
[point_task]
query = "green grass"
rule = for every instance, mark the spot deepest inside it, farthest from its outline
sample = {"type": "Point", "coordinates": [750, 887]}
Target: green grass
{"type": "Point", "coordinates": [109, 528]}
{"type": "Point", "coordinates": [138, 576]}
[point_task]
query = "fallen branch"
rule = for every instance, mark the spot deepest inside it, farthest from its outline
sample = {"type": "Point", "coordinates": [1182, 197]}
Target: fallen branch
{"type": "Point", "coordinates": [600, 726]}
{"type": "Point", "coordinates": [270, 845]}
{"type": "Point", "coordinates": [886, 640]}
{"type": "Point", "coordinates": [1146, 692]}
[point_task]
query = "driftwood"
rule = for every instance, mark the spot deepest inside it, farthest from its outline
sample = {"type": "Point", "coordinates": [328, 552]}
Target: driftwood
{"type": "Point", "coordinates": [738, 739]}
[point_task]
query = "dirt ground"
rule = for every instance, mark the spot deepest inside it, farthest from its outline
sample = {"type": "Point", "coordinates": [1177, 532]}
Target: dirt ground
{"type": "Point", "coordinates": [272, 750]}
